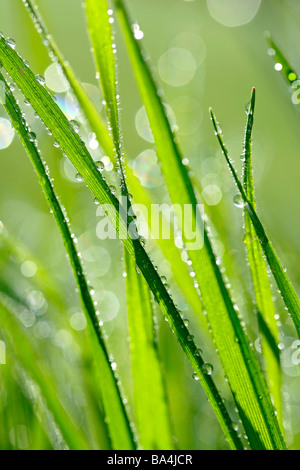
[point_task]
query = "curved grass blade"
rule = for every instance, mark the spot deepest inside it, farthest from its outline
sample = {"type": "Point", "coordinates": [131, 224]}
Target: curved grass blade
{"type": "Point", "coordinates": [90, 111]}
{"type": "Point", "coordinates": [151, 409]}
{"type": "Point", "coordinates": [116, 415]}
{"type": "Point", "coordinates": [26, 355]}
{"type": "Point", "coordinates": [76, 151]}
{"type": "Point", "coordinates": [284, 284]}
{"type": "Point", "coordinates": [263, 293]}
{"type": "Point", "coordinates": [170, 252]}
{"type": "Point", "coordinates": [238, 359]}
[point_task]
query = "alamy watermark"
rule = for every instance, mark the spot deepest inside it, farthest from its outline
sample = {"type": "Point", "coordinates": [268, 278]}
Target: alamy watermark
{"type": "Point", "coordinates": [157, 221]}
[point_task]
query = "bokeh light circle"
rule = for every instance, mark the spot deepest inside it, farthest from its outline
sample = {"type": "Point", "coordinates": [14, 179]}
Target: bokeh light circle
{"type": "Point", "coordinates": [233, 12]}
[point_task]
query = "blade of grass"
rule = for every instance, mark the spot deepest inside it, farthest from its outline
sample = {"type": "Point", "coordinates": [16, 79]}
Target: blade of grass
{"type": "Point", "coordinates": [283, 66]}
{"type": "Point", "coordinates": [90, 111]}
{"type": "Point", "coordinates": [238, 359]}
{"type": "Point", "coordinates": [261, 284]}
{"type": "Point", "coordinates": [76, 151]}
{"type": "Point", "coordinates": [171, 253]}
{"type": "Point", "coordinates": [26, 355]}
{"type": "Point", "coordinates": [116, 415]}
{"type": "Point", "coordinates": [151, 410]}
{"type": "Point", "coordinates": [283, 282]}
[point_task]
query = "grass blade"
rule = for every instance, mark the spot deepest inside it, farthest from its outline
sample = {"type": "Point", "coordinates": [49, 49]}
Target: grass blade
{"type": "Point", "coordinates": [76, 151]}
{"type": "Point", "coordinates": [26, 354]}
{"type": "Point", "coordinates": [282, 64]}
{"type": "Point", "coordinates": [284, 284]}
{"type": "Point", "coordinates": [239, 362]}
{"type": "Point", "coordinates": [151, 410]}
{"type": "Point", "coordinates": [90, 111]}
{"type": "Point", "coordinates": [113, 404]}
{"type": "Point", "coordinates": [261, 284]}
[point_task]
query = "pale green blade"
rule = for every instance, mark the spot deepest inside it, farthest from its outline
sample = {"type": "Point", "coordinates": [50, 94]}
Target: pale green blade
{"type": "Point", "coordinates": [238, 359]}
{"type": "Point", "coordinates": [76, 151]}
{"type": "Point", "coordinates": [263, 293]}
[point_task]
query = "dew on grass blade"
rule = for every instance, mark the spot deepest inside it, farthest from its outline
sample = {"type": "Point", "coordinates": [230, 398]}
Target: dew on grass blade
{"type": "Point", "coordinates": [207, 368]}
{"type": "Point", "coordinates": [11, 43]}
{"type": "Point", "coordinates": [40, 79]}
{"type": "Point", "coordinates": [238, 201]}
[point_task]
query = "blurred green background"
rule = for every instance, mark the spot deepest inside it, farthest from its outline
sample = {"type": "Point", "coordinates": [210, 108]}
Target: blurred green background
{"type": "Point", "coordinates": [202, 55]}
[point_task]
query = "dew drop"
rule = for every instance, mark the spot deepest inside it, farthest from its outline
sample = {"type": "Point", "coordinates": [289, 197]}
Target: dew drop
{"type": "Point", "coordinates": [78, 177]}
{"type": "Point", "coordinates": [238, 201]}
{"type": "Point", "coordinates": [31, 136]}
{"type": "Point", "coordinates": [207, 368]}
{"type": "Point", "coordinates": [56, 144]}
{"type": "Point", "coordinates": [74, 126]}
{"type": "Point", "coordinates": [96, 201]}
{"type": "Point", "coordinates": [278, 66]}
{"type": "Point", "coordinates": [99, 165]}
{"type": "Point", "coordinates": [40, 79]}
{"type": "Point", "coordinates": [195, 376]}
{"type": "Point", "coordinates": [10, 42]}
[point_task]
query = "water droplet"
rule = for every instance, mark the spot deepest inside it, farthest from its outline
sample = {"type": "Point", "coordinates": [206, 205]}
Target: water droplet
{"type": "Point", "coordinates": [96, 201]}
{"type": "Point", "coordinates": [207, 368]}
{"type": "Point", "coordinates": [10, 42]}
{"type": "Point", "coordinates": [137, 32]}
{"type": "Point", "coordinates": [74, 126]}
{"type": "Point", "coordinates": [195, 376]}
{"type": "Point", "coordinates": [56, 144]}
{"type": "Point", "coordinates": [292, 76]}
{"type": "Point", "coordinates": [112, 189]}
{"type": "Point", "coordinates": [78, 177]}
{"type": "Point", "coordinates": [278, 66]}
{"type": "Point", "coordinates": [238, 201]}
{"type": "Point", "coordinates": [198, 352]}
{"type": "Point", "coordinates": [40, 79]}
{"type": "Point", "coordinates": [99, 165]}
{"type": "Point", "coordinates": [186, 322]}
{"type": "Point", "coordinates": [31, 136]}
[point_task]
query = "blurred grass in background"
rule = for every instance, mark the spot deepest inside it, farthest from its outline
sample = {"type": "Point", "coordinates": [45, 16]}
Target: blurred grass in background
{"type": "Point", "coordinates": [202, 56]}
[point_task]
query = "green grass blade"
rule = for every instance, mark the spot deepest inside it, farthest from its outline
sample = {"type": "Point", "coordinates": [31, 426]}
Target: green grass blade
{"type": "Point", "coordinates": [151, 410]}
{"type": "Point", "coordinates": [90, 111]}
{"type": "Point", "coordinates": [171, 253]}
{"type": "Point", "coordinates": [120, 431]}
{"type": "Point", "coordinates": [284, 67]}
{"type": "Point", "coordinates": [239, 362]}
{"type": "Point", "coordinates": [76, 151]}
{"type": "Point", "coordinates": [150, 406]}
{"type": "Point", "coordinates": [284, 284]}
{"type": "Point", "coordinates": [26, 354]}
{"type": "Point", "coordinates": [260, 279]}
